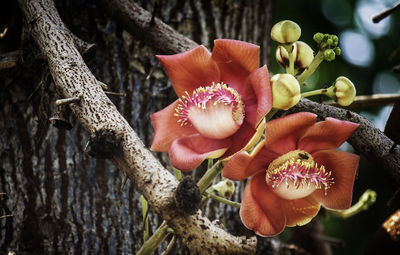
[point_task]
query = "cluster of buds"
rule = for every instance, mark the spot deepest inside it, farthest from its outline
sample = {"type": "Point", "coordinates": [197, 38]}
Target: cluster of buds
{"type": "Point", "coordinates": [300, 62]}
{"type": "Point", "coordinates": [328, 44]}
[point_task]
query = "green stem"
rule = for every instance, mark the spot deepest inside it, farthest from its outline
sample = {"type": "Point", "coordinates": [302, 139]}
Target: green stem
{"type": "Point", "coordinates": [271, 114]}
{"type": "Point", "coordinates": [155, 240]}
{"type": "Point", "coordinates": [311, 68]}
{"type": "Point", "coordinates": [178, 174]}
{"type": "Point", "coordinates": [313, 93]}
{"type": "Point", "coordinates": [224, 200]}
{"type": "Point", "coordinates": [367, 199]}
{"type": "Point", "coordinates": [210, 163]}
{"type": "Point", "coordinates": [291, 63]}
{"type": "Point", "coordinates": [209, 176]}
{"type": "Point", "coordinates": [145, 218]}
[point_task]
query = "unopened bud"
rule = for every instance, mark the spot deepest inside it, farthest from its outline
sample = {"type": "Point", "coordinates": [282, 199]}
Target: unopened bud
{"type": "Point", "coordinates": [342, 91]}
{"type": "Point", "coordinates": [318, 37]}
{"type": "Point", "coordinates": [285, 91]}
{"type": "Point", "coordinates": [302, 54]}
{"type": "Point", "coordinates": [329, 55]}
{"type": "Point", "coordinates": [225, 188]}
{"type": "Point", "coordinates": [285, 31]}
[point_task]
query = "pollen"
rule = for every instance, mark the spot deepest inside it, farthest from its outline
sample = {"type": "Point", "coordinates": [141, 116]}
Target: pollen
{"type": "Point", "coordinates": [210, 96]}
{"type": "Point", "coordinates": [296, 175]}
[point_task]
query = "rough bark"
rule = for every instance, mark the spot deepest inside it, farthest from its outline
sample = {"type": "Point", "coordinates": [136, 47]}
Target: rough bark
{"type": "Point", "coordinates": [96, 112]}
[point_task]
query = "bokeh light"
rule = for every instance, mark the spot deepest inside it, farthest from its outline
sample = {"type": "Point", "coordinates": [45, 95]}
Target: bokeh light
{"type": "Point", "coordinates": [357, 48]}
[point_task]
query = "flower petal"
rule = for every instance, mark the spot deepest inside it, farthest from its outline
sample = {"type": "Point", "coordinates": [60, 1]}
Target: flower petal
{"type": "Point", "coordinates": [190, 69]}
{"type": "Point", "coordinates": [326, 135]}
{"type": "Point", "coordinates": [261, 209]}
{"type": "Point", "coordinates": [167, 128]}
{"type": "Point", "coordinates": [241, 138]}
{"type": "Point", "coordinates": [243, 164]}
{"type": "Point", "coordinates": [257, 96]}
{"type": "Point", "coordinates": [343, 166]}
{"type": "Point", "coordinates": [187, 153]}
{"type": "Point", "coordinates": [300, 211]}
{"type": "Point", "coordinates": [236, 60]}
{"type": "Point", "coordinates": [282, 134]}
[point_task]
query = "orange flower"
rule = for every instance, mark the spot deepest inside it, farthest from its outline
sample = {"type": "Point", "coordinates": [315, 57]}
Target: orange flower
{"type": "Point", "coordinates": [294, 170]}
{"type": "Point", "coordinates": [223, 98]}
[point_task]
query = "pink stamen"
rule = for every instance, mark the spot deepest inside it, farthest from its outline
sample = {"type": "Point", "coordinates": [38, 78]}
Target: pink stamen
{"type": "Point", "coordinates": [301, 174]}
{"type": "Point", "coordinates": [218, 93]}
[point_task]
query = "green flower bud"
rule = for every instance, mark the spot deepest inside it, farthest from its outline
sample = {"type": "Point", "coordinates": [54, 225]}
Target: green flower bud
{"type": "Point", "coordinates": [318, 37]}
{"type": "Point", "coordinates": [285, 31]}
{"type": "Point", "coordinates": [225, 188]}
{"type": "Point", "coordinates": [303, 56]}
{"type": "Point", "coordinates": [329, 42]}
{"type": "Point", "coordinates": [285, 91]}
{"type": "Point", "coordinates": [345, 91]}
{"type": "Point", "coordinates": [329, 55]}
{"type": "Point", "coordinates": [338, 51]}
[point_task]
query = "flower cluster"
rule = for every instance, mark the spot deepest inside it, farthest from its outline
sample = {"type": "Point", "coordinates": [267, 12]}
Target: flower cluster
{"type": "Point", "coordinates": [220, 113]}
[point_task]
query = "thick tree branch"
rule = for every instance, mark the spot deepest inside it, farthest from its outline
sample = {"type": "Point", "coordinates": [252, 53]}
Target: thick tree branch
{"type": "Point", "coordinates": [96, 113]}
{"type": "Point", "coordinates": [367, 140]}
{"type": "Point", "coordinates": [162, 38]}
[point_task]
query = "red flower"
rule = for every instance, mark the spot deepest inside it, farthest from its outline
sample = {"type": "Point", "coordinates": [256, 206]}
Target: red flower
{"type": "Point", "coordinates": [223, 98]}
{"type": "Point", "coordinates": [294, 170]}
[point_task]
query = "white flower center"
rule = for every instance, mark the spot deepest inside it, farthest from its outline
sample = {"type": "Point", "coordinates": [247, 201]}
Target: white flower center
{"type": "Point", "coordinates": [215, 111]}
{"type": "Point", "coordinates": [296, 175]}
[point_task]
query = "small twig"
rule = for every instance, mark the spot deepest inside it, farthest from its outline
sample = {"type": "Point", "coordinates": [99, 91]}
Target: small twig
{"type": "Point", "coordinates": [2, 193]}
{"type": "Point", "coordinates": [103, 85]}
{"type": "Point", "coordinates": [6, 216]}
{"type": "Point", "coordinates": [369, 101]}
{"type": "Point", "coordinates": [115, 93]}
{"type": "Point", "coordinates": [67, 100]}
{"type": "Point", "coordinates": [385, 13]}
{"type": "Point", "coordinates": [2, 34]}
{"type": "Point", "coordinates": [170, 245]}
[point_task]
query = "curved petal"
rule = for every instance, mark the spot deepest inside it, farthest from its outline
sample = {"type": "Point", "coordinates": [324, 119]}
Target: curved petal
{"type": "Point", "coordinates": [167, 128]}
{"type": "Point", "coordinates": [261, 209]}
{"type": "Point", "coordinates": [282, 134]}
{"type": "Point", "coordinates": [240, 139]}
{"type": "Point", "coordinates": [257, 96]}
{"type": "Point", "coordinates": [343, 166]}
{"type": "Point", "coordinates": [236, 60]}
{"type": "Point", "coordinates": [243, 164]}
{"type": "Point", "coordinates": [190, 69]}
{"type": "Point", "coordinates": [187, 153]}
{"type": "Point", "coordinates": [300, 211]}
{"type": "Point", "coordinates": [326, 135]}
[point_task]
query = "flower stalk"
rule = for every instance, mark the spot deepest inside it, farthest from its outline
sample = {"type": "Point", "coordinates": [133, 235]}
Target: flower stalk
{"type": "Point", "coordinates": [313, 66]}
{"type": "Point", "coordinates": [209, 176]}
{"type": "Point", "coordinates": [151, 244]}
{"type": "Point", "coordinates": [367, 199]}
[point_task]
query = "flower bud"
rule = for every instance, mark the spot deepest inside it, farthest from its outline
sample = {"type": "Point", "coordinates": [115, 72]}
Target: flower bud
{"type": "Point", "coordinates": [318, 37]}
{"type": "Point", "coordinates": [329, 55]}
{"type": "Point", "coordinates": [303, 56]}
{"type": "Point", "coordinates": [225, 188]}
{"type": "Point", "coordinates": [345, 91]}
{"type": "Point", "coordinates": [285, 31]}
{"type": "Point", "coordinates": [285, 91]}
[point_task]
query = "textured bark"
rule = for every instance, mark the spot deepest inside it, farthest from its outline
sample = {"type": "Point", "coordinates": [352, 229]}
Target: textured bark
{"type": "Point", "coordinates": [96, 112]}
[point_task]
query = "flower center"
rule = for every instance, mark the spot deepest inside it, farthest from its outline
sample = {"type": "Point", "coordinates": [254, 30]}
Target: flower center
{"type": "Point", "coordinates": [295, 175]}
{"type": "Point", "coordinates": [216, 111]}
